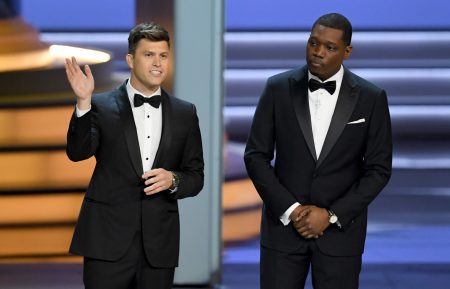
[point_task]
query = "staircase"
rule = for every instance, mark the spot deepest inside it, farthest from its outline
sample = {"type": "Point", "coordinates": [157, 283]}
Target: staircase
{"type": "Point", "coordinates": [40, 189]}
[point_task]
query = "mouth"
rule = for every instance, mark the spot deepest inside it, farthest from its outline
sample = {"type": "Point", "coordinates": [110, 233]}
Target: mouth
{"type": "Point", "coordinates": [315, 63]}
{"type": "Point", "coordinates": [155, 72]}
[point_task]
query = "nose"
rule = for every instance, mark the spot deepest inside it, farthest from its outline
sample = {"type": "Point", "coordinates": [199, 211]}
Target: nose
{"type": "Point", "coordinates": [319, 51]}
{"type": "Point", "coordinates": [156, 61]}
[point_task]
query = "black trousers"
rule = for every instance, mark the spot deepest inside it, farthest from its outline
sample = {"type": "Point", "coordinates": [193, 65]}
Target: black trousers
{"type": "Point", "coordinates": [132, 271]}
{"type": "Point", "coordinates": [279, 270]}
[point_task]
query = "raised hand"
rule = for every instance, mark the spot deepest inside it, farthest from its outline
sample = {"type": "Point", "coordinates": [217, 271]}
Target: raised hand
{"type": "Point", "coordinates": [82, 83]}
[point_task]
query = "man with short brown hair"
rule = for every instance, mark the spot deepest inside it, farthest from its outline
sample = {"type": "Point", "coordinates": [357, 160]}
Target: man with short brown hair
{"type": "Point", "coordinates": [148, 150]}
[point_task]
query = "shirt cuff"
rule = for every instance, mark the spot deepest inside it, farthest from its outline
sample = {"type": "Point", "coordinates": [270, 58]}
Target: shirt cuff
{"type": "Point", "coordinates": [285, 218]}
{"type": "Point", "coordinates": [81, 112]}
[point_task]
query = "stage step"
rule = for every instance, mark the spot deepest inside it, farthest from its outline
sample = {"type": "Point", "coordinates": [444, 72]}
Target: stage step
{"type": "Point", "coordinates": [42, 170]}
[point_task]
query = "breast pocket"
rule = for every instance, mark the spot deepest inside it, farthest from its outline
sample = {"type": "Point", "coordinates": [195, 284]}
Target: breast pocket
{"type": "Point", "coordinates": [354, 132]}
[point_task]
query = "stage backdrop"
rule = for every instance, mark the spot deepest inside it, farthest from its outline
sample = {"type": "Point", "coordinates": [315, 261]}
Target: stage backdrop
{"type": "Point", "coordinates": [118, 15]}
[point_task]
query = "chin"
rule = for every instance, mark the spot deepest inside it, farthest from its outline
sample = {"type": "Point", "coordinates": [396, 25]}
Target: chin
{"type": "Point", "coordinates": [315, 72]}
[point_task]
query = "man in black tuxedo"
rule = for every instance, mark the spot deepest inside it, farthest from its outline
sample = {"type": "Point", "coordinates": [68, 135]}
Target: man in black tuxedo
{"type": "Point", "coordinates": [148, 149]}
{"type": "Point", "coordinates": [331, 133]}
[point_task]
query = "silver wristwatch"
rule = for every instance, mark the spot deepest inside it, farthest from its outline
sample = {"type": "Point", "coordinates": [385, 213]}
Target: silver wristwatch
{"type": "Point", "coordinates": [333, 219]}
{"type": "Point", "coordinates": [175, 181]}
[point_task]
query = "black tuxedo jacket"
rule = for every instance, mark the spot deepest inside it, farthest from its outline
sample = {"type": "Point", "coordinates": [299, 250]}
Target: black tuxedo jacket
{"type": "Point", "coordinates": [353, 167]}
{"type": "Point", "coordinates": [115, 205]}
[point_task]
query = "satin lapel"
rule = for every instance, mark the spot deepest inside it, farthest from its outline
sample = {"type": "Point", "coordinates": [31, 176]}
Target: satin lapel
{"type": "Point", "coordinates": [348, 96]}
{"type": "Point", "coordinates": [129, 129]}
{"type": "Point", "coordinates": [299, 94]}
{"type": "Point", "coordinates": [166, 134]}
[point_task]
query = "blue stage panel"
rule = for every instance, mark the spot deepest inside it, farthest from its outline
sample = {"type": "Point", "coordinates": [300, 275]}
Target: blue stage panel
{"type": "Point", "coordinates": [271, 15]}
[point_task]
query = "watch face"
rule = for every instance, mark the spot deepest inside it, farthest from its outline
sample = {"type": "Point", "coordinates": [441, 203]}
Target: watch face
{"type": "Point", "coordinates": [176, 180]}
{"type": "Point", "coordinates": [333, 219]}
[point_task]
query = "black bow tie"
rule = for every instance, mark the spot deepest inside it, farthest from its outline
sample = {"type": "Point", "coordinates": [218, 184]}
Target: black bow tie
{"type": "Point", "coordinates": [154, 101]}
{"type": "Point", "coordinates": [314, 85]}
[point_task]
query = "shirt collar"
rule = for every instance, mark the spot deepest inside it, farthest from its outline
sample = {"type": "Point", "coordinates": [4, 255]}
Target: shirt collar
{"type": "Point", "coordinates": [131, 91]}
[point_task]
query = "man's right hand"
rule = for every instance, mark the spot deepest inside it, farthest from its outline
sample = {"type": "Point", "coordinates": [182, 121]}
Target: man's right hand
{"type": "Point", "coordinates": [81, 83]}
{"type": "Point", "coordinates": [299, 212]}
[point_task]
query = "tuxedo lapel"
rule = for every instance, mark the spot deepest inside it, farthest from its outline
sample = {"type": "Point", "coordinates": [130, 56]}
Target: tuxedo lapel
{"type": "Point", "coordinates": [129, 129]}
{"type": "Point", "coordinates": [348, 96]}
{"type": "Point", "coordinates": [166, 134]}
{"type": "Point", "coordinates": [299, 94]}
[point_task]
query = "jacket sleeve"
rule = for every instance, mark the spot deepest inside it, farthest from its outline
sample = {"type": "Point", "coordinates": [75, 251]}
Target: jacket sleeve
{"type": "Point", "coordinates": [259, 153]}
{"type": "Point", "coordinates": [191, 167]}
{"type": "Point", "coordinates": [82, 136]}
{"type": "Point", "coordinates": [377, 165]}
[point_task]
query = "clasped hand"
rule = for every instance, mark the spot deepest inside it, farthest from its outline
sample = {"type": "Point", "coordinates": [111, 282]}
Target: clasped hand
{"type": "Point", "coordinates": [310, 221]}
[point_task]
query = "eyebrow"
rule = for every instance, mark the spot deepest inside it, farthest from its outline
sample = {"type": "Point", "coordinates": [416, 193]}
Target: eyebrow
{"type": "Point", "coordinates": [154, 52]}
{"type": "Point", "coordinates": [326, 42]}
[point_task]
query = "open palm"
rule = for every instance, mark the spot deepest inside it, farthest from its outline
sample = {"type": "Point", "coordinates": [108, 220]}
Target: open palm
{"type": "Point", "coordinates": [81, 83]}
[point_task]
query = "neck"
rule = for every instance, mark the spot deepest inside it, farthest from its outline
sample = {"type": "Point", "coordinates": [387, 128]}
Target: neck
{"type": "Point", "coordinates": [136, 84]}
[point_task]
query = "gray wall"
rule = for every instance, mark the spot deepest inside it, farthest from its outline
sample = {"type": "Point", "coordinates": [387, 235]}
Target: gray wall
{"type": "Point", "coordinates": [198, 79]}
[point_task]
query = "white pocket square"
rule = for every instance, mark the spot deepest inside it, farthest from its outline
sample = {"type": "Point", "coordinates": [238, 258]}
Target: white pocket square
{"type": "Point", "coordinates": [361, 120]}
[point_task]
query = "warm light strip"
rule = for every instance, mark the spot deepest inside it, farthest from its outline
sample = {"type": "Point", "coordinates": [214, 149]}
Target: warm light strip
{"type": "Point", "coordinates": [15, 126]}
{"type": "Point", "coordinates": [47, 56]}
{"type": "Point", "coordinates": [43, 170]}
{"type": "Point", "coordinates": [84, 55]}
{"type": "Point", "coordinates": [238, 194]}
{"type": "Point", "coordinates": [35, 241]}
{"type": "Point", "coordinates": [25, 60]}
{"type": "Point", "coordinates": [39, 209]}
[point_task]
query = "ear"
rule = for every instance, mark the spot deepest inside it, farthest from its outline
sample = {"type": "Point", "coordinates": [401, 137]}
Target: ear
{"type": "Point", "coordinates": [129, 59]}
{"type": "Point", "coordinates": [347, 51]}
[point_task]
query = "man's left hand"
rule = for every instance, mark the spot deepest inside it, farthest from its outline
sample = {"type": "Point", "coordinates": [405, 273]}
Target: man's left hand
{"type": "Point", "coordinates": [157, 180]}
{"type": "Point", "coordinates": [313, 224]}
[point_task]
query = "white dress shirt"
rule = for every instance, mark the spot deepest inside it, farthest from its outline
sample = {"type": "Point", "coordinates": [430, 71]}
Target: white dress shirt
{"type": "Point", "coordinates": [148, 121]}
{"type": "Point", "coordinates": [321, 109]}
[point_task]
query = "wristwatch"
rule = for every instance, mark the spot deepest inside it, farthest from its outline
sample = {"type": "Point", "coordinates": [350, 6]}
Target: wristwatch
{"type": "Point", "coordinates": [333, 219]}
{"type": "Point", "coordinates": [175, 181]}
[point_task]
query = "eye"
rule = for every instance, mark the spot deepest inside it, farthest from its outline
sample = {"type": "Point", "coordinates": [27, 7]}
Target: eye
{"type": "Point", "coordinates": [331, 48]}
{"type": "Point", "coordinates": [164, 56]}
{"type": "Point", "coordinates": [313, 43]}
